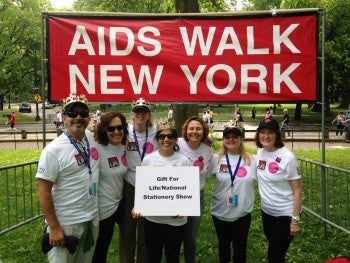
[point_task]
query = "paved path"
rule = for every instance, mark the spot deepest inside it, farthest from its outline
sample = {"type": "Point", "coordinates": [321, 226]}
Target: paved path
{"type": "Point", "coordinates": [297, 140]}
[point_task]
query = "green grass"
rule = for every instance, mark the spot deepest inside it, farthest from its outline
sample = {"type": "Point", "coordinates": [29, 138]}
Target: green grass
{"type": "Point", "coordinates": [23, 244]}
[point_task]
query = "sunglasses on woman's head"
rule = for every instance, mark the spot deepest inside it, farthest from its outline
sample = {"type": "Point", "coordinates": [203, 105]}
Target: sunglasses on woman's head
{"type": "Point", "coordinates": [74, 114]}
{"type": "Point", "coordinates": [113, 128]}
{"type": "Point", "coordinates": [170, 136]}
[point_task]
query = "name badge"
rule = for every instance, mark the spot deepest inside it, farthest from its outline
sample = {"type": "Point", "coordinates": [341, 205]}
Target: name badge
{"type": "Point", "coordinates": [232, 200]}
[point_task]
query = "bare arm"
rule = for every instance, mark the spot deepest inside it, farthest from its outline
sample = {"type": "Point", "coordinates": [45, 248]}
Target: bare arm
{"type": "Point", "coordinates": [296, 186]}
{"type": "Point", "coordinates": [48, 209]}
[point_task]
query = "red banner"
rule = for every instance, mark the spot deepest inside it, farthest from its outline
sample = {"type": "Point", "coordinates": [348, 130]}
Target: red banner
{"type": "Point", "coordinates": [189, 59]}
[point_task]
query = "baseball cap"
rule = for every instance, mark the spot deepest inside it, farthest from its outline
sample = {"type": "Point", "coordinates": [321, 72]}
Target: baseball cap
{"type": "Point", "coordinates": [73, 99]}
{"type": "Point", "coordinates": [140, 105]}
{"type": "Point", "coordinates": [270, 124]}
{"type": "Point", "coordinates": [233, 130]}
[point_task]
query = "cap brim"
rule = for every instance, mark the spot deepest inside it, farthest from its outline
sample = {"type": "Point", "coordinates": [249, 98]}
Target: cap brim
{"type": "Point", "coordinates": [141, 108]}
{"type": "Point", "coordinates": [71, 105]}
{"type": "Point", "coordinates": [233, 131]}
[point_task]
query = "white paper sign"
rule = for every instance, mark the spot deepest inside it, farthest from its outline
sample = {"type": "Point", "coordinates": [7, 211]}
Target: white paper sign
{"type": "Point", "coordinates": [167, 191]}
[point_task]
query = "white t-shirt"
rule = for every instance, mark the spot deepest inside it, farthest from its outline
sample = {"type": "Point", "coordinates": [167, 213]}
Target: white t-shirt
{"type": "Point", "coordinates": [232, 202]}
{"type": "Point", "coordinates": [59, 117]}
{"type": "Point", "coordinates": [155, 159]}
{"type": "Point", "coordinates": [170, 114]}
{"type": "Point", "coordinates": [274, 170]}
{"type": "Point", "coordinates": [134, 153]}
{"type": "Point", "coordinates": [113, 167]}
{"type": "Point", "coordinates": [201, 157]}
{"type": "Point", "coordinates": [74, 191]}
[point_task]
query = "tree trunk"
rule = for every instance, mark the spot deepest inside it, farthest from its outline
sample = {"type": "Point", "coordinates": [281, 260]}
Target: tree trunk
{"type": "Point", "coordinates": [184, 111]}
{"type": "Point", "coordinates": [187, 6]}
{"type": "Point", "coordinates": [297, 113]}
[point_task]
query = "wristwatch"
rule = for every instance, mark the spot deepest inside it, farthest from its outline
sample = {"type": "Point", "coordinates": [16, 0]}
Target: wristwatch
{"type": "Point", "coordinates": [296, 219]}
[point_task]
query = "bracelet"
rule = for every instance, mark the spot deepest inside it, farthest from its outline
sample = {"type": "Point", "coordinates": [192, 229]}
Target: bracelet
{"type": "Point", "coordinates": [296, 218]}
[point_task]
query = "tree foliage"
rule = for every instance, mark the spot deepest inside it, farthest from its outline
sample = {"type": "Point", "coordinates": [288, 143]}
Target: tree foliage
{"type": "Point", "coordinates": [152, 6]}
{"type": "Point", "coordinates": [337, 46]}
{"type": "Point", "coordinates": [20, 34]}
{"type": "Point", "coordinates": [261, 4]}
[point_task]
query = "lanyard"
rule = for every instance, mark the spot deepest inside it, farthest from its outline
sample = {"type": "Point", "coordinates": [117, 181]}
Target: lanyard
{"type": "Point", "coordinates": [230, 170]}
{"type": "Point", "coordinates": [85, 154]}
{"type": "Point", "coordinates": [137, 143]}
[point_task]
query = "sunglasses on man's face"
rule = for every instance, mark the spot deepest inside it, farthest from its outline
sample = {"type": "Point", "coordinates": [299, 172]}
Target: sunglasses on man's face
{"type": "Point", "coordinates": [169, 136]}
{"type": "Point", "coordinates": [74, 114]}
{"type": "Point", "coordinates": [113, 128]}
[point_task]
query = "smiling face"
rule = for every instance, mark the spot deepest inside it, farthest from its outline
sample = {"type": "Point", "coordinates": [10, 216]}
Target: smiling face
{"type": "Point", "coordinates": [232, 143]}
{"type": "Point", "coordinates": [141, 119]}
{"type": "Point", "coordinates": [267, 139]}
{"type": "Point", "coordinates": [194, 132]}
{"type": "Point", "coordinates": [115, 137]}
{"type": "Point", "coordinates": [76, 121]}
{"type": "Point", "coordinates": [166, 140]}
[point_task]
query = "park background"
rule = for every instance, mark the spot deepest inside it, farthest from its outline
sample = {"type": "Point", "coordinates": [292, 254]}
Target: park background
{"type": "Point", "coordinates": [23, 244]}
{"type": "Point", "coordinates": [20, 79]}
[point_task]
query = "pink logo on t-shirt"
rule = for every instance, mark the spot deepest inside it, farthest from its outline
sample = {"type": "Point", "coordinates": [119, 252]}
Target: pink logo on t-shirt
{"type": "Point", "coordinates": [123, 158]}
{"type": "Point", "coordinates": [94, 153]}
{"type": "Point", "coordinates": [242, 172]}
{"type": "Point", "coordinates": [149, 147]}
{"type": "Point", "coordinates": [199, 163]}
{"type": "Point", "coordinates": [273, 168]}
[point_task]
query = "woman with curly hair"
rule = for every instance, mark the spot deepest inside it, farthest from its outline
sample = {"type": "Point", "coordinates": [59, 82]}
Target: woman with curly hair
{"type": "Point", "coordinates": [111, 134]}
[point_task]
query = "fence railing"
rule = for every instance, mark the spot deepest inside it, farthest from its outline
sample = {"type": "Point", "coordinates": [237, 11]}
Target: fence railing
{"type": "Point", "coordinates": [18, 195]}
{"type": "Point", "coordinates": [326, 194]}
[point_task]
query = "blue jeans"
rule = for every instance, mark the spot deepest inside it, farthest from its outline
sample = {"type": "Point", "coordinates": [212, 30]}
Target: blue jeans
{"type": "Point", "coordinates": [190, 233]}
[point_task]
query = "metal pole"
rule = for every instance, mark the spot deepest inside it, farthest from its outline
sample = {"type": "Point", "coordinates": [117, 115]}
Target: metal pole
{"type": "Point", "coordinates": [323, 151]}
{"type": "Point", "coordinates": [42, 77]}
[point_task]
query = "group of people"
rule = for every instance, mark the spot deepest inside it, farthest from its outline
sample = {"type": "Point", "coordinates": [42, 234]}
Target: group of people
{"type": "Point", "coordinates": [342, 123]}
{"type": "Point", "coordinates": [86, 184]}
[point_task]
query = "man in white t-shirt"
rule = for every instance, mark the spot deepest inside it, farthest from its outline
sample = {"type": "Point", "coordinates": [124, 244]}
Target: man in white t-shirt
{"type": "Point", "coordinates": [58, 119]}
{"type": "Point", "coordinates": [67, 187]}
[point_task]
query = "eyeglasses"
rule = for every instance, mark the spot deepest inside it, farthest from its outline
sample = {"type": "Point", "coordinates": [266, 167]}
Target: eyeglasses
{"type": "Point", "coordinates": [113, 128]}
{"type": "Point", "coordinates": [170, 136]}
{"type": "Point", "coordinates": [74, 114]}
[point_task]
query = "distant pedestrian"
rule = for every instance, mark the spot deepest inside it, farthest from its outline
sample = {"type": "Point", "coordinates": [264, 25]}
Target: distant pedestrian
{"type": "Point", "coordinates": [206, 116]}
{"type": "Point", "coordinates": [347, 125]}
{"type": "Point", "coordinates": [58, 120]}
{"type": "Point", "coordinates": [13, 120]}
{"type": "Point", "coordinates": [285, 122]}
{"type": "Point", "coordinates": [338, 121]}
{"type": "Point", "coordinates": [238, 117]}
{"type": "Point", "coordinates": [268, 114]}
{"type": "Point", "coordinates": [253, 114]}
{"type": "Point", "coordinates": [170, 115]}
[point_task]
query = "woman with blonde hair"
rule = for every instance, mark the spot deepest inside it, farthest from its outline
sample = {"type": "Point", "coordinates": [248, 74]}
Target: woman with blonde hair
{"type": "Point", "coordinates": [233, 196]}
